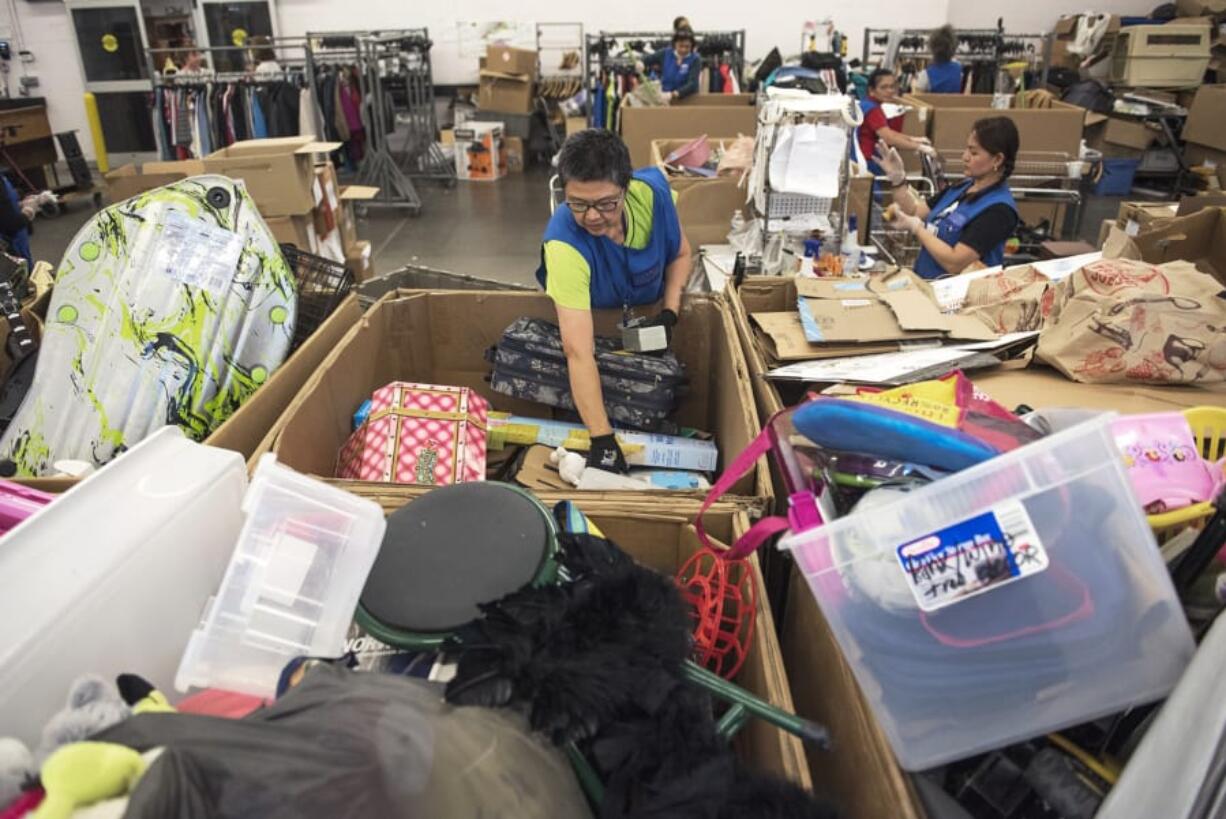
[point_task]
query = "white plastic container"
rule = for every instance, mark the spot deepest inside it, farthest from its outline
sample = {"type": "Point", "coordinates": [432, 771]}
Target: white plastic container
{"type": "Point", "coordinates": [292, 584]}
{"type": "Point", "coordinates": [111, 576]}
{"type": "Point", "coordinates": [1081, 619]}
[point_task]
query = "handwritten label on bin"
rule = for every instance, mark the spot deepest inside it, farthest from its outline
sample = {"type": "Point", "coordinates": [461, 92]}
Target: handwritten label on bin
{"type": "Point", "coordinates": [969, 558]}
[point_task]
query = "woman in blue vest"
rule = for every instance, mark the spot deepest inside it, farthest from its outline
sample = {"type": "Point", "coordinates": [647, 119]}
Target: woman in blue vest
{"type": "Point", "coordinates": [944, 75]}
{"type": "Point", "coordinates": [16, 215]}
{"type": "Point", "coordinates": [677, 66]}
{"type": "Point", "coordinates": [968, 222]}
{"type": "Point", "coordinates": [617, 243]}
{"type": "Point", "coordinates": [878, 128]}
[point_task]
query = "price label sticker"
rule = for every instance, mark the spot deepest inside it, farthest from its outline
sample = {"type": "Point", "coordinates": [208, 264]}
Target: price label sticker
{"type": "Point", "coordinates": [972, 557]}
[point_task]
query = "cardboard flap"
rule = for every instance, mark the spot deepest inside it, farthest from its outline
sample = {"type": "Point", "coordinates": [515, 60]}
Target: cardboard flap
{"type": "Point", "coordinates": [320, 148]}
{"type": "Point", "coordinates": [496, 76]}
{"type": "Point", "coordinates": [1093, 119]}
{"type": "Point", "coordinates": [187, 167]}
{"type": "Point", "coordinates": [358, 193]}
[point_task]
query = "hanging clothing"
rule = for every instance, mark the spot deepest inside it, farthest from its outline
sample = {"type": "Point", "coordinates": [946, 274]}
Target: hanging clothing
{"type": "Point", "coordinates": [203, 128]}
{"type": "Point", "coordinates": [982, 221]}
{"type": "Point", "coordinates": [351, 107]}
{"type": "Point", "coordinates": [259, 123]}
{"type": "Point", "coordinates": [338, 113]}
{"type": "Point", "coordinates": [307, 114]}
{"type": "Point", "coordinates": [14, 227]}
{"type": "Point", "coordinates": [582, 271]}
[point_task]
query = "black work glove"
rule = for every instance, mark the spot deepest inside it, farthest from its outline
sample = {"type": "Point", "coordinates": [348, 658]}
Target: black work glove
{"type": "Point", "coordinates": [606, 454]}
{"type": "Point", "coordinates": [666, 319]}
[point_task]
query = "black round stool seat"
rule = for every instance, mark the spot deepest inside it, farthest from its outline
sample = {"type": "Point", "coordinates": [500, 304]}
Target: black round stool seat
{"type": "Point", "coordinates": [452, 549]}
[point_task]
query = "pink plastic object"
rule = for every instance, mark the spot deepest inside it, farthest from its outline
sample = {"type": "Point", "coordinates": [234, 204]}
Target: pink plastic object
{"type": "Point", "coordinates": [1164, 464]}
{"type": "Point", "coordinates": [19, 502]}
{"type": "Point", "coordinates": [693, 154]}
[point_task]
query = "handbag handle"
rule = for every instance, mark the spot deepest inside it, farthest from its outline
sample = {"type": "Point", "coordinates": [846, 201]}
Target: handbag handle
{"type": "Point", "coordinates": [802, 515]}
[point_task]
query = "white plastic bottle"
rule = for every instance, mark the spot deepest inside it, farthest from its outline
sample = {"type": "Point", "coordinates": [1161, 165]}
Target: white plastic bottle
{"type": "Point", "coordinates": [850, 250]}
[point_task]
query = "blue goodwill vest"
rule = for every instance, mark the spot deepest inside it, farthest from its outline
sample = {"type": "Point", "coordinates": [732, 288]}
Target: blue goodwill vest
{"type": "Point", "coordinates": [950, 225]}
{"type": "Point", "coordinates": [672, 75]}
{"type": "Point", "coordinates": [945, 78]}
{"type": "Point", "coordinates": [866, 105]}
{"type": "Point", "coordinates": [622, 276]}
{"type": "Point", "coordinates": [19, 241]}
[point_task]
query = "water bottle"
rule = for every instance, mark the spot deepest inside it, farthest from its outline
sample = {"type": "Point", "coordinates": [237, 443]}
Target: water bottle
{"type": "Point", "coordinates": [850, 251]}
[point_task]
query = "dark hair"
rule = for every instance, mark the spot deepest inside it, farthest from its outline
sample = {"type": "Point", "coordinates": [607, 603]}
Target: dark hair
{"type": "Point", "coordinates": [943, 43]}
{"type": "Point", "coordinates": [262, 50]}
{"type": "Point", "coordinates": [681, 22]}
{"type": "Point", "coordinates": [998, 135]}
{"type": "Point", "coordinates": [683, 35]}
{"type": "Point", "coordinates": [595, 155]}
{"type": "Point", "coordinates": [877, 76]}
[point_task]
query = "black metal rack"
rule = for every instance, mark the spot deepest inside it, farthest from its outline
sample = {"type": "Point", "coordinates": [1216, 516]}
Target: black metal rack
{"type": "Point", "coordinates": [610, 50]}
{"type": "Point", "coordinates": [989, 46]}
{"type": "Point", "coordinates": [396, 82]}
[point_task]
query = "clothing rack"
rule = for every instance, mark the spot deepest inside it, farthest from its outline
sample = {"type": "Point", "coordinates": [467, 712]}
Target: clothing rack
{"type": "Point", "coordinates": [268, 103]}
{"type": "Point", "coordinates": [560, 82]}
{"type": "Point", "coordinates": [395, 77]}
{"type": "Point", "coordinates": [987, 47]}
{"type": "Point", "coordinates": [600, 58]}
{"type": "Point", "coordinates": [784, 214]}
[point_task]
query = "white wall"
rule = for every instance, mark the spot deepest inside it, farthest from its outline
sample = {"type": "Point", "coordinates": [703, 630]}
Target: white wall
{"type": "Point", "coordinates": [1036, 16]}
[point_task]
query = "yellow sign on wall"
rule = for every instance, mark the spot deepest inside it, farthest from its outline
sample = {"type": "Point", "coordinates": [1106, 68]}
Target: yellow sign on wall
{"type": "Point", "coordinates": [110, 43]}
{"type": "Point", "coordinates": [239, 37]}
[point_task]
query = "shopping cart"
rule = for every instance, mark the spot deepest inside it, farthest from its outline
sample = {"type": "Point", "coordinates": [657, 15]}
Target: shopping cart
{"type": "Point", "coordinates": [322, 286]}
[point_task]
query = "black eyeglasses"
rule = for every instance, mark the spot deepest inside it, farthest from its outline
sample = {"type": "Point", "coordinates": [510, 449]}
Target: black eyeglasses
{"type": "Point", "coordinates": [603, 206]}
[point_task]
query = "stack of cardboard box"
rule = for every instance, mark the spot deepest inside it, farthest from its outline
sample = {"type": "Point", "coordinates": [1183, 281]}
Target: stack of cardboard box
{"type": "Point", "coordinates": [508, 80]}
{"type": "Point", "coordinates": [1205, 135]}
{"type": "Point", "coordinates": [295, 187]}
{"type": "Point", "coordinates": [480, 151]}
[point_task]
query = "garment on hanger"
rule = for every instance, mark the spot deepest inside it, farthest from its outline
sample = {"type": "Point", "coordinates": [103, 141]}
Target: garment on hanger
{"type": "Point", "coordinates": [338, 114]}
{"type": "Point", "coordinates": [307, 115]}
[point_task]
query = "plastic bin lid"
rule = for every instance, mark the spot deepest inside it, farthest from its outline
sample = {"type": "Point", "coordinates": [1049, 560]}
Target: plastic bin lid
{"type": "Point", "coordinates": [452, 549]}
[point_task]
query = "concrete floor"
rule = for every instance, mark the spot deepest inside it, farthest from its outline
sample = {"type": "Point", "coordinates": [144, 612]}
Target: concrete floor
{"type": "Point", "coordinates": [486, 229]}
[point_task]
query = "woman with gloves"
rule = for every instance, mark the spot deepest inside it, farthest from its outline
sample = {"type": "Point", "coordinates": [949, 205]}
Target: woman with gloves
{"type": "Point", "coordinates": [967, 222]}
{"type": "Point", "coordinates": [877, 127]}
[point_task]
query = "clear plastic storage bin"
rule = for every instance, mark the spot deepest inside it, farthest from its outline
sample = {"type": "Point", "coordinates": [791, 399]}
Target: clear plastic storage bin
{"type": "Point", "coordinates": [291, 587]}
{"type": "Point", "coordinates": [1033, 598]}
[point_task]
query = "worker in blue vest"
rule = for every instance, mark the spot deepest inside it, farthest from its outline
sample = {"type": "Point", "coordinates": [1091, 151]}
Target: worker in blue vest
{"type": "Point", "coordinates": [944, 74]}
{"type": "Point", "coordinates": [617, 243]}
{"type": "Point", "coordinates": [678, 66]}
{"type": "Point", "coordinates": [16, 216]}
{"type": "Point", "coordinates": [969, 221]}
{"type": "Point", "coordinates": [877, 128]}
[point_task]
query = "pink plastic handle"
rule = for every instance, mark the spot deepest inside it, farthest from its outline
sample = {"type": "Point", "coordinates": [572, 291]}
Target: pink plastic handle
{"type": "Point", "coordinates": [760, 531]}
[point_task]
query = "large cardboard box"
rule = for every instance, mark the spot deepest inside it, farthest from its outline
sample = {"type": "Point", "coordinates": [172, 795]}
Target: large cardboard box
{"type": "Point", "coordinates": [508, 60]}
{"type": "Point", "coordinates": [515, 154]}
{"type": "Point", "coordinates": [1065, 32]}
{"type": "Point", "coordinates": [862, 775]}
{"type": "Point", "coordinates": [699, 114]}
{"type": "Point", "coordinates": [916, 122]}
{"type": "Point", "coordinates": [128, 180]}
{"type": "Point", "coordinates": [706, 211]}
{"type": "Point", "coordinates": [1055, 130]}
{"type": "Point", "coordinates": [662, 148]}
{"type": "Point", "coordinates": [1206, 124]}
{"type": "Point", "coordinates": [298, 231]}
{"type": "Point", "coordinates": [1199, 238]}
{"type": "Point", "coordinates": [442, 338]}
{"type": "Point", "coordinates": [1118, 137]}
{"type": "Point", "coordinates": [505, 93]}
{"type": "Point", "coordinates": [1041, 387]}
{"type": "Point", "coordinates": [360, 259]}
{"type": "Point", "coordinates": [347, 220]}
{"type": "Point", "coordinates": [663, 541]}
{"type": "Point", "coordinates": [279, 173]}
{"type": "Point", "coordinates": [1200, 8]}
